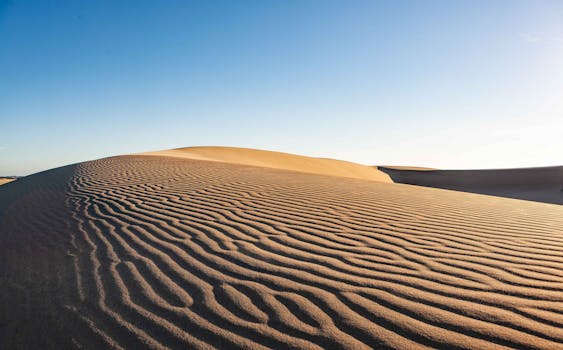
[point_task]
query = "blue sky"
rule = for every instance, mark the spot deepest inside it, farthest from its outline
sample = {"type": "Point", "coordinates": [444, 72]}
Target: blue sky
{"type": "Point", "coordinates": [447, 84]}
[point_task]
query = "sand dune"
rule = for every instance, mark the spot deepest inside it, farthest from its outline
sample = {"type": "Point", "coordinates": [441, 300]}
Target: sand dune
{"type": "Point", "coordinates": [277, 160]}
{"type": "Point", "coordinates": [137, 252]}
{"type": "Point", "coordinates": [533, 184]}
{"type": "Point", "coordinates": [5, 180]}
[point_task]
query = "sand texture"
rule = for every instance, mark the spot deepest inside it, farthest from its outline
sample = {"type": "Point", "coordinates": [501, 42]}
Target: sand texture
{"type": "Point", "coordinates": [158, 252]}
{"type": "Point", "coordinates": [534, 184]}
{"type": "Point", "coordinates": [278, 160]}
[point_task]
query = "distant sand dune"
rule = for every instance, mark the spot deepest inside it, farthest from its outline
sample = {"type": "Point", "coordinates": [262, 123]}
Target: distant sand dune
{"type": "Point", "coordinates": [403, 167]}
{"type": "Point", "coordinates": [277, 160]}
{"type": "Point", "coordinates": [163, 252]}
{"type": "Point", "coordinates": [533, 184]}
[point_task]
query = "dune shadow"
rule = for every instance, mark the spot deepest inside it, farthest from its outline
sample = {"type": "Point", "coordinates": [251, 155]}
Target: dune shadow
{"type": "Point", "coordinates": [533, 184]}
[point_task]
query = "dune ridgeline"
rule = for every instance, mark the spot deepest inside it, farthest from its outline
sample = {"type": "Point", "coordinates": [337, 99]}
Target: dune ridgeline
{"type": "Point", "coordinates": [225, 248]}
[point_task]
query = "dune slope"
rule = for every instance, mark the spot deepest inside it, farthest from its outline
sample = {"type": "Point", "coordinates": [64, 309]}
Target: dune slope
{"type": "Point", "coordinates": [163, 252]}
{"type": "Point", "coordinates": [5, 180]}
{"type": "Point", "coordinates": [277, 160]}
{"type": "Point", "coordinates": [543, 184]}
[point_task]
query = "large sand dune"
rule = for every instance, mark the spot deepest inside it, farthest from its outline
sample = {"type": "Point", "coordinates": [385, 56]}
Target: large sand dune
{"type": "Point", "coordinates": [533, 184]}
{"type": "Point", "coordinates": [164, 252]}
{"type": "Point", "coordinates": [277, 160]}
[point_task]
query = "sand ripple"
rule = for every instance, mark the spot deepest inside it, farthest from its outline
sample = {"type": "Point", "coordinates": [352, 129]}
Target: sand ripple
{"type": "Point", "coordinates": [156, 252]}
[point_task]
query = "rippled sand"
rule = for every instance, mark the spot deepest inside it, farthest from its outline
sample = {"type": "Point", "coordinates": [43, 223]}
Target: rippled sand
{"type": "Point", "coordinates": [163, 252]}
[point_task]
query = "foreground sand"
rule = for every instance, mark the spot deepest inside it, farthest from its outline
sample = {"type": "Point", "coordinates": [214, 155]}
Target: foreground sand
{"type": "Point", "coordinates": [163, 252]}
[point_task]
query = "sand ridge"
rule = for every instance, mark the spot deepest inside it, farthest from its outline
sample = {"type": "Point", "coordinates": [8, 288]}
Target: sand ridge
{"type": "Point", "coordinates": [164, 252]}
{"type": "Point", "coordinates": [277, 160]}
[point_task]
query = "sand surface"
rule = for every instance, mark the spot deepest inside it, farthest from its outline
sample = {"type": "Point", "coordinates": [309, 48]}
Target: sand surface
{"type": "Point", "coordinates": [543, 184]}
{"type": "Point", "coordinates": [277, 160]}
{"type": "Point", "coordinates": [138, 252]}
{"type": "Point", "coordinates": [5, 180]}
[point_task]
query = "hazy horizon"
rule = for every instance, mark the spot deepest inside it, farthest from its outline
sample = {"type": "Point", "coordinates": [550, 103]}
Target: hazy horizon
{"type": "Point", "coordinates": [462, 85]}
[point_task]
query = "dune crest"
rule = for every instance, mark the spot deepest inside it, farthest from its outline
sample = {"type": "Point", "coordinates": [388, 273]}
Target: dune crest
{"type": "Point", "coordinates": [277, 160]}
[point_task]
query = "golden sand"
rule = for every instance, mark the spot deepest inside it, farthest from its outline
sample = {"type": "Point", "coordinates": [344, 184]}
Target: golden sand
{"type": "Point", "coordinates": [163, 252]}
{"type": "Point", "coordinates": [5, 180]}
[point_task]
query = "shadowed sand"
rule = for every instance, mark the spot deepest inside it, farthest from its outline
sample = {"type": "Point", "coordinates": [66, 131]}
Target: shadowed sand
{"type": "Point", "coordinates": [533, 184]}
{"type": "Point", "coordinates": [165, 252]}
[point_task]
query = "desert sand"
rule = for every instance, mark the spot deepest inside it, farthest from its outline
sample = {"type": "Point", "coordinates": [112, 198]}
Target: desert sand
{"type": "Point", "coordinates": [5, 180]}
{"type": "Point", "coordinates": [544, 184]}
{"type": "Point", "coordinates": [158, 251]}
{"type": "Point", "coordinates": [277, 160]}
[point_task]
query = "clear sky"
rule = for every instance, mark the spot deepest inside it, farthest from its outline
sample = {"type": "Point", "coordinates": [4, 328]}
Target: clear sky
{"type": "Point", "coordinates": [447, 84]}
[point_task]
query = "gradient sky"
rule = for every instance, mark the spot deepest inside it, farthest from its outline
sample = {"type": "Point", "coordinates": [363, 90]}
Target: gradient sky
{"type": "Point", "coordinates": [447, 84]}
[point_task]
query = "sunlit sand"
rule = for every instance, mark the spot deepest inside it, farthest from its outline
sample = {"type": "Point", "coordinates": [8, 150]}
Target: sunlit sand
{"type": "Point", "coordinates": [225, 248]}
